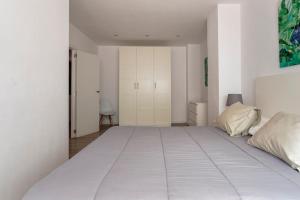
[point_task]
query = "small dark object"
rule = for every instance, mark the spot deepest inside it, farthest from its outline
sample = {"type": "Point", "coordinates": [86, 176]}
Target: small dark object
{"type": "Point", "coordinates": [234, 98]}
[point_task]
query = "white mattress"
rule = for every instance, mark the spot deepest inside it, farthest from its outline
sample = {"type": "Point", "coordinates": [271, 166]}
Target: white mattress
{"type": "Point", "coordinates": [182, 163]}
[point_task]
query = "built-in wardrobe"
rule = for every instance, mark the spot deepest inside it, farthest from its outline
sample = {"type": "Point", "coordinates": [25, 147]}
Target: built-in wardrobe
{"type": "Point", "coordinates": [144, 86]}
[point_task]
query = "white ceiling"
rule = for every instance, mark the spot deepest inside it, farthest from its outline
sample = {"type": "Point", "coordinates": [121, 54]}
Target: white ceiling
{"type": "Point", "coordinates": [142, 21]}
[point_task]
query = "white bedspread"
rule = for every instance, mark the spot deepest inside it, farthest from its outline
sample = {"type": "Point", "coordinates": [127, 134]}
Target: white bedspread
{"type": "Point", "coordinates": [182, 163]}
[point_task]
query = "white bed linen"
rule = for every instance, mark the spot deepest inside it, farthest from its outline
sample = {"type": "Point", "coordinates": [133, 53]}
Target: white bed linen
{"type": "Point", "coordinates": [182, 163]}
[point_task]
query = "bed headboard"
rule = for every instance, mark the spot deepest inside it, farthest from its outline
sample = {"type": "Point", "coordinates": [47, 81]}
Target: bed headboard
{"type": "Point", "coordinates": [278, 93]}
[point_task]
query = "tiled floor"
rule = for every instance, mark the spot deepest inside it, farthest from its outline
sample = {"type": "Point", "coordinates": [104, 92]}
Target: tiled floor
{"type": "Point", "coordinates": [77, 144]}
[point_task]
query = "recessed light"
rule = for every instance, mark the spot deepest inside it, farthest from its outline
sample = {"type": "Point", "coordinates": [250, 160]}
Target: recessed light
{"type": "Point", "coordinates": [116, 35]}
{"type": "Point", "coordinates": [147, 35]}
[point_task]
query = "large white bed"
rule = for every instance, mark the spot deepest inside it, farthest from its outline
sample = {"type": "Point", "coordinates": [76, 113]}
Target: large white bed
{"type": "Point", "coordinates": [189, 163]}
{"type": "Point", "coordinates": [178, 163]}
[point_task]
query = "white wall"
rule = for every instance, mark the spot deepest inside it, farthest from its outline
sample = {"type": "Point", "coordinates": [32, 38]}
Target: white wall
{"type": "Point", "coordinates": [196, 54]}
{"type": "Point", "coordinates": [34, 92]}
{"type": "Point", "coordinates": [224, 53]}
{"type": "Point", "coordinates": [260, 46]}
{"type": "Point", "coordinates": [80, 41]}
{"type": "Point", "coordinates": [194, 81]}
{"type": "Point", "coordinates": [109, 76]}
{"type": "Point", "coordinates": [213, 63]}
{"type": "Point", "coordinates": [179, 85]}
{"type": "Point", "coordinates": [109, 70]}
{"type": "Point", "coordinates": [229, 28]}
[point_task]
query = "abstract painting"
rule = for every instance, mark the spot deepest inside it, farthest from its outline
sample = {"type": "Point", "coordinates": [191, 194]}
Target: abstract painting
{"type": "Point", "coordinates": [289, 33]}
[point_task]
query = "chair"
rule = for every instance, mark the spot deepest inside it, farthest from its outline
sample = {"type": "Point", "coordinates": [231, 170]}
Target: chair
{"type": "Point", "coordinates": [106, 111]}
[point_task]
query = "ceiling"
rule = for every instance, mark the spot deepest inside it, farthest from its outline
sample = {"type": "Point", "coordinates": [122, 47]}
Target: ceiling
{"type": "Point", "coordinates": [142, 21]}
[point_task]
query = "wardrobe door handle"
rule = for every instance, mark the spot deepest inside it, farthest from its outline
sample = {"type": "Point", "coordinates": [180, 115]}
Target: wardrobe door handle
{"type": "Point", "coordinates": [155, 85]}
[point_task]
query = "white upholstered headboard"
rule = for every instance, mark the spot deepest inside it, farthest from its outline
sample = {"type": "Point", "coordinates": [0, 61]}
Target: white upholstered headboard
{"type": "Point", "coordinates": [278, 93]}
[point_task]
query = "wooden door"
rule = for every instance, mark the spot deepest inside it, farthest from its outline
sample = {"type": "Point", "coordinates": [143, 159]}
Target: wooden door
{"type": "Point", "coordinates": [162, 82]}
{"type": "Point", "coordinates": [145, 87]}
{"type": "Point", "coordinates": [127, 86]}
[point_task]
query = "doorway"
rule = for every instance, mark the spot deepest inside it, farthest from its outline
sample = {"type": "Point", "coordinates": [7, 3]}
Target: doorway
{"type": "Point", "coordinates": [84, 93]}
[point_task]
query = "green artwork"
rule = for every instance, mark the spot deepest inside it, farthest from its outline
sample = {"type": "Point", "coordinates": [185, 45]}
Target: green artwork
{"type": "Point", "coordinates": [289, 33]}
{"type": "Point", "coordinates": [206, 71]}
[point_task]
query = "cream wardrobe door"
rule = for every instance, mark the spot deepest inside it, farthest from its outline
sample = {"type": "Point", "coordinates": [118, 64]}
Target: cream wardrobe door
{"type": "Point", "coordinates": [162, 82]}
{"type": "Point", "coordinates": [145, 100]}
{"type": "Point", "coordinates": [127, 86]}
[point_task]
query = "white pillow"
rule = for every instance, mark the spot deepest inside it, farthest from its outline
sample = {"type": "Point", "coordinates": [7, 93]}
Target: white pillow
{"type": "Point", "coordinates": [280, 137]}
{"type": "Point", "coordinates": [262, 122]}
{"type": "Point", "coordinates": [237, 119]}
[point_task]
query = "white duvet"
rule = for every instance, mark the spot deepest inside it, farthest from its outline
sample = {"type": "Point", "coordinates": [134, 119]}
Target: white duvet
{"type": "Point", "coordinates": [183, 163]}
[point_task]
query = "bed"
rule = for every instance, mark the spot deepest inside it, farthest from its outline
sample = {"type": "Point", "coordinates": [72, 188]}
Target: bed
{"type": "Point", "coordinates": [178, 163]}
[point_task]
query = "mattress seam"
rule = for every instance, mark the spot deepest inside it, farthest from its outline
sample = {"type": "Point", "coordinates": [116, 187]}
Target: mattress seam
{"type": "Point", "coordinates": [165, 164]}
{"type": "Point", "coordinates": [116, 160]}
{"type": "Point", "coordinates": [212, 161]}
{"type": "Point", "coordinates": [275, 171]}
